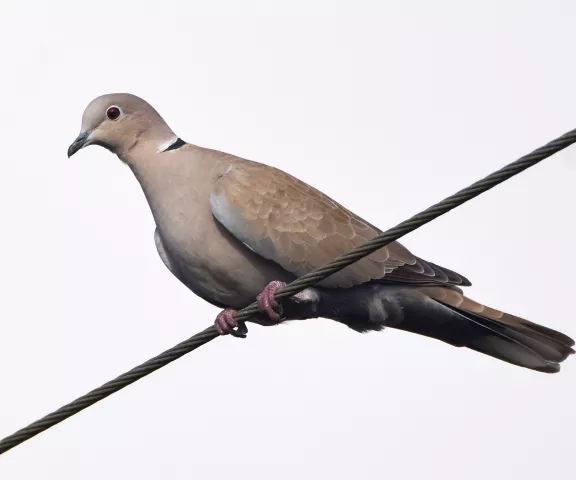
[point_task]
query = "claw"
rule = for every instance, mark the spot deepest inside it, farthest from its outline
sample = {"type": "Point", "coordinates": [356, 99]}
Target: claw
{"type": "Point", "coordinates": [267, 302]}
{"type": "Point", "coordinates": [226, 324]}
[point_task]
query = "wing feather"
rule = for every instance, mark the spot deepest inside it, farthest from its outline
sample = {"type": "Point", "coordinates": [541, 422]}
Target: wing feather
{"type": "Point", "coordinates": [291, 223]}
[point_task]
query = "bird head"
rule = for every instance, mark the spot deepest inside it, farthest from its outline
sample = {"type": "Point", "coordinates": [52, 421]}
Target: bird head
{"type": "Point", "coordinates": [118, 122]}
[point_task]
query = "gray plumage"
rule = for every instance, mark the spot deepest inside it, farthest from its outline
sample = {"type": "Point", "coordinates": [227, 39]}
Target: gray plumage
{"type": "Point", "coordinates": [226, 227]}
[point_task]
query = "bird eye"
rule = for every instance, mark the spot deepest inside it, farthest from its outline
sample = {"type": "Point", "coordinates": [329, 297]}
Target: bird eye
{"type": "Point", "coordinates": [113, 113]}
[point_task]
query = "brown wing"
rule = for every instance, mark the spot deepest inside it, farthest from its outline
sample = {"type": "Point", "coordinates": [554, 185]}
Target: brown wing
{"type": "Point", "coordinates": [300, 228]}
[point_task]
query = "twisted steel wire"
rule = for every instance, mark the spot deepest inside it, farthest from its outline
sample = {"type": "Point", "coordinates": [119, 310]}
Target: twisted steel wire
{"type": "Point", "coordinates": [296, 286]}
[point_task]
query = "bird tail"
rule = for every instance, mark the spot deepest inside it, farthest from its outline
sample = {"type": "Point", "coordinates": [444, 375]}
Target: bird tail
{"type": "Point", "coordinates": [463, 322]}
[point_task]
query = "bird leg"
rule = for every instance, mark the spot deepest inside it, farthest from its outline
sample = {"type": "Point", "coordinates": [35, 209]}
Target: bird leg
{"type": "Point", "coordinates": [267, 304]}
{"type": "Point", "coordinates": [226, 324]}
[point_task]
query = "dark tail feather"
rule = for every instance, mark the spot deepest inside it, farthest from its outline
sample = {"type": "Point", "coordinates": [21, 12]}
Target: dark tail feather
{"type": "Point", "coordinates": [462, 322]}
{"type": "Point", "coordinates": [525, 348]}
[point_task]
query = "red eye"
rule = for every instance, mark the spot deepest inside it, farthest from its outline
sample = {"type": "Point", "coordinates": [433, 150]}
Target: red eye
{"type": "Point", "coordinates": [113, 113]}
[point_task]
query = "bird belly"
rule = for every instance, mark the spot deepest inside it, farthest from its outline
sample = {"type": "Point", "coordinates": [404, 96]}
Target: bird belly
{"type": "Point", "coordinates": [216, 266]}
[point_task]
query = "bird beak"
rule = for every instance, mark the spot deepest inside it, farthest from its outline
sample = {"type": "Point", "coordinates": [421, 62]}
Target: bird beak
{"type": "Point", "coordinates": [80, 142]}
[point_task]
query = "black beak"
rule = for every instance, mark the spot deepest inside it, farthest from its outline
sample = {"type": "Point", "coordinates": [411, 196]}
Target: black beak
{"type": "Point", "coordinates": [79, 143]}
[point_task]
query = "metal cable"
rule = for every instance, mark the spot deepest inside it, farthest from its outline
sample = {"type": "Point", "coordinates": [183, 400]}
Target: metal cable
{"type": "Point", "coordinates": [296, 286]}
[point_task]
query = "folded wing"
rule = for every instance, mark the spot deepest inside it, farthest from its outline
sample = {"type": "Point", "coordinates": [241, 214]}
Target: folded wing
{"type": "Point", "coordinates": [287, 221]}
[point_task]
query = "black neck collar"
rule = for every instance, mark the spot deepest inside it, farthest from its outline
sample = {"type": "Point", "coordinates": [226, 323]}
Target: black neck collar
{"type": "Point", "coordinates": [175, 145]}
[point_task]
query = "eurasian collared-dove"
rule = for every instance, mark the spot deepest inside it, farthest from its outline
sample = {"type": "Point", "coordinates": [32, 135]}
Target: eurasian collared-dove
{"type": "Point", "coordinates": [231, 230]}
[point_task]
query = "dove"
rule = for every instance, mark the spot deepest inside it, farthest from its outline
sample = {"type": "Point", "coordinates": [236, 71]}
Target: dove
{"type": "Point", "coordinates": [233, 230]}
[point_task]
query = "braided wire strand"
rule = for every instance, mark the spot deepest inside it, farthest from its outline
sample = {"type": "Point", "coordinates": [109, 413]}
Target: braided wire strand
{"type": "Point", "coordinates": [296, 286]}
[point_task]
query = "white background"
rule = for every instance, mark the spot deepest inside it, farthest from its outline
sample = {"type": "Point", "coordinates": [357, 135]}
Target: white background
{"type": "Point", "coordinates": [386, 106]}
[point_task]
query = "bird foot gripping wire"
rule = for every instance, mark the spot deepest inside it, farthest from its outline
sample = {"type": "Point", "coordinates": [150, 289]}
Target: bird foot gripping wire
{"type": "Point", "coordinates": [267, 302]}
{"type": "Point", "coordinates": [226, 323]}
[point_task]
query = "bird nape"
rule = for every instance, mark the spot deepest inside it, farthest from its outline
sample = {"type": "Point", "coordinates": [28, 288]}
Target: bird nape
{"type": "Point", "coordinates": [232, 229]}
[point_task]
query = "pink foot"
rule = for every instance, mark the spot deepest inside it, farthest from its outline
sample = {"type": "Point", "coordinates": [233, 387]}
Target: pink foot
{"type": "Point", "coordinates": [226, 324]}
{"type": "Point", "coordinates": [267, 303]}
